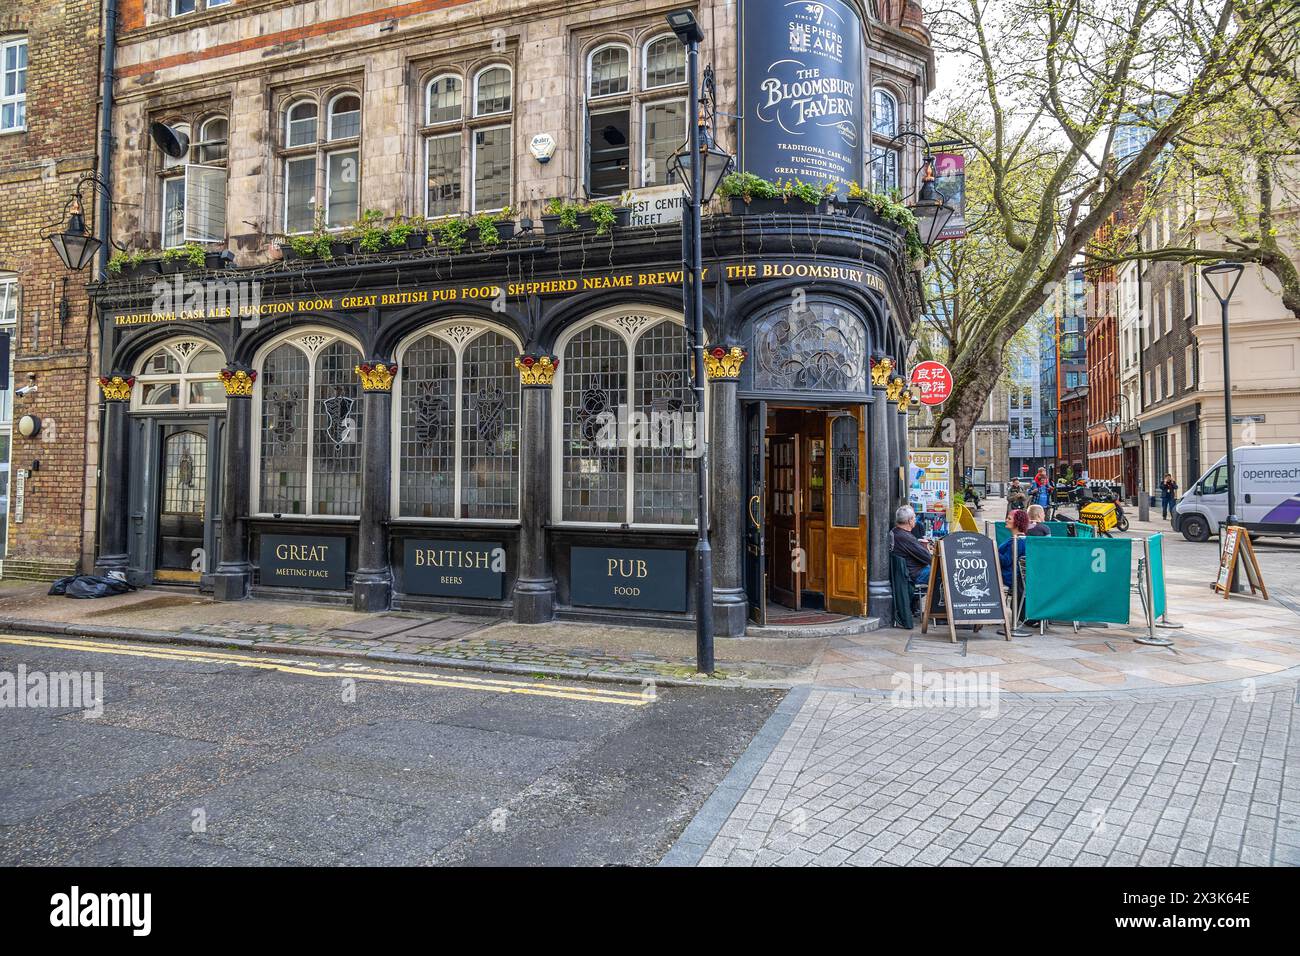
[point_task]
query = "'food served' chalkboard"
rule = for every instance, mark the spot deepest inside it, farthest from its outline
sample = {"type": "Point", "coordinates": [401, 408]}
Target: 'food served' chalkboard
{"type": "Point", "coordinates": [965, 583]}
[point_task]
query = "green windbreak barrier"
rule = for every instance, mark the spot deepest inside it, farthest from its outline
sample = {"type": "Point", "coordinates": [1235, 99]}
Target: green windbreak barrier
{"type": "Point", "coordinates": [1156, 549]}
{"type": "Point", "coordinates": [1000, 533]}
{"type": "Point", "coordinates": [1078, 579]}
{"type": "Point", "coordinates": [1059, 529]}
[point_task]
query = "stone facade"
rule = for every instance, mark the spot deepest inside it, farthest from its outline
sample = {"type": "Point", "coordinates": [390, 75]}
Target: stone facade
{"type": "Point", "coordinates": [54, 345]}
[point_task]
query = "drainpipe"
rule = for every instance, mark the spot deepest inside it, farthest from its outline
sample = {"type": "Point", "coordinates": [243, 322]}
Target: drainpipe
{"type": "Point", "coordinates": [106, 135]}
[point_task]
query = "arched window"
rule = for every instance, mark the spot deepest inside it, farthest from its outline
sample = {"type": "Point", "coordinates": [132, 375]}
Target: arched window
{"type": "Point", "coordinates": [663, 62]}
{"type": "Point", "coordinates": [492, 91]}
{"type": "Point", "coordinates": [443, 100]}
{"type": "Point", "coordinates": [300, 124]}
{"type": "Point", "coordinates": [212, 144]}
{"type": "Point", "coordinates": [821, 347]}
{"type": "Point", "coordinates": [180, 374]}
{"type": "Point", "coordinates": [884, 113]}
{"type": "Point", "coordinates": [309, 422]}
{"type": "Point", "coordinates": [457, 417]}
{"type": "Point", "coordinates": [344, 117]}
{"type": "Point", "coordinates": [607, 70]}
{"type": "Point", "coordinates": [626, 423]}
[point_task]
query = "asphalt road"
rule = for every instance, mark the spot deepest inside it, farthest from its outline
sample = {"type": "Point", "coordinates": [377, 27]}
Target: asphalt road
{"type": "Point", "coordinates": [230, 758]}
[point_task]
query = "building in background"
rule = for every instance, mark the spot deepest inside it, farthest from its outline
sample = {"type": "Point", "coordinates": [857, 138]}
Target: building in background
{"type": "Point", "coordinates": [1105, 455]}
{"type": "Point", "coordinates": [1064, 372]}
{"type": "Point", "coordinates": [987, 450]}
{"type": "Point", "coordinates": [1024, 413]}
{"type": "Point", "coordinates": [49, 88]}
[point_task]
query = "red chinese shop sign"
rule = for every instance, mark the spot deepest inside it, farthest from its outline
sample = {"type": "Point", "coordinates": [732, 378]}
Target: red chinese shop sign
{"type": "Point", "coordinates": [934, 382]}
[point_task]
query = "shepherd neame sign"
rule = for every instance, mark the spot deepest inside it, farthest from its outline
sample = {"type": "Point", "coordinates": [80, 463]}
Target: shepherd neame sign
{"type": "Point", "coordinates": [801, 90]}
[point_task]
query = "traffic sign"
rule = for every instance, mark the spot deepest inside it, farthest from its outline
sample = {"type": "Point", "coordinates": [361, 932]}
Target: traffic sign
{"type": "Point", "coordinates": [933, 381]}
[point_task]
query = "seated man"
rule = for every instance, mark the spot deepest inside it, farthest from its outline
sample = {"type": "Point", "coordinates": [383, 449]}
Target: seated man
{"type": "Point", "coordinates": [1037, 522]}
{"type": "Point", "coordinates": [902, 542]}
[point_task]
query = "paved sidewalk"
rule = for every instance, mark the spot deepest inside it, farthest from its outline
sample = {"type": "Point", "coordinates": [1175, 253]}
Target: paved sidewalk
{"type": "Point", "coordinates": [1179, 778]}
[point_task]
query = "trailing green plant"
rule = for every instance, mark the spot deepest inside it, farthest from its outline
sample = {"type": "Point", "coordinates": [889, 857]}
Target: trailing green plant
{"type": "Point", "coordinates": [452, 232]}
{"type": "Point", "coordinates": [746, 186]}
{"type": "Point", "coordinates": [312, 245]}
{"type": "Point", "coordinates": [485, 226]}
{"type": "Point", "coordinates": [602, 217]}
{"type": "Point", "coordinates": [403, 227]}
{"type": "Point", "coordinates": [891, 209]}
{"type": "Point", "coordinates": [567, 211]}
{"type": "Point", "coordinates": [191, 252]}
{"type": "Point", "coordinates": [602, 214]}
{"type": "Point", "coordinates": [122, 259]}
{"type": "Point", "coordinates": [369, 232]}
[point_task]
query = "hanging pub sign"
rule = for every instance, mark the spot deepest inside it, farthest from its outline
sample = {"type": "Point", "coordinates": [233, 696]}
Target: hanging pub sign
{"type": "Point", "coordinates": [642, 579]}
{"type": "Point", "coordinates": [304, 561]}
{"type": "Point", "coordinates": [965, 584]}
{"type": "Point", "coordinates": [801, 91]}
{"type": "Point", "coordinates": [950, 183]}
{"type": "Point", "coordinates": [469, 569]}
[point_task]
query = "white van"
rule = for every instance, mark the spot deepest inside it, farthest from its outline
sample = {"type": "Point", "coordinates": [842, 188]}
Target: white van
{"type": "Point", "coordinates": [1267, 491]}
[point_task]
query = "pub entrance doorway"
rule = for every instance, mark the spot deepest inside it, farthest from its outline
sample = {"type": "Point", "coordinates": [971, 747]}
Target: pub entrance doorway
{"type": "Point", "coordinates": [806, 520]}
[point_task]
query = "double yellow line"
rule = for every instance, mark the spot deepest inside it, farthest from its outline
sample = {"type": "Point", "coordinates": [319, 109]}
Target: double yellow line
{"type": "Point", "coordinates": [342, 669]}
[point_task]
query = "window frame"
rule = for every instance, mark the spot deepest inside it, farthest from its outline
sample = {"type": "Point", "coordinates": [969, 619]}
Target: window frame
{"type": "Point", "coordinates": [19, 42]}
{"type": "Point", "coordinates": [295, 337]}
{"type": "Point", "coordinates": [428, 98]}
{"type": "Point", "coordinates": [591, 56]}
{"type": "Point", "coordinates": [478, 76]}
{"type": "Point", "coordinates": [466, 126]}
{"type": "Point", "coordinates": [645, 63]}
{"type": "Point", "coordinates": [610, 319]}
{"type": "Point", "coordinates": [321, 148]}
{"type": "Point", "coordinates": [168, 170]}
{"type": "Point", "coordinates": [473, 168]}
{"type": "Point", "coordinates": [647, 105]}
{"type": "Point", "coordinates": [182, 378]}
{"type": "Point", "coordinates": [881, 145]}
{"type": "Point", "coordinates": [439, 330]}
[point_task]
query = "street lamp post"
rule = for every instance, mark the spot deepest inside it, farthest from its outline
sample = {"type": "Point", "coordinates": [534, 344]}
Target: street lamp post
{"type": "Point", "coordinates": [1229, 274]}
{"type": "Point", "coordinates": [700, 165]}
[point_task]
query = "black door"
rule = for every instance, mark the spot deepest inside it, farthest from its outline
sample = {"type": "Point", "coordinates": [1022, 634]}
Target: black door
{"type": "Point", "coordinates": [182, 503]}
{"type": "Point", "coordinates": [755, 511]}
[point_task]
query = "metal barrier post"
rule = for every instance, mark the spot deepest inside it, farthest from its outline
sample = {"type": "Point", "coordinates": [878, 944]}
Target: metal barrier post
{"type": "Point", "coordinates": [1148, 599]}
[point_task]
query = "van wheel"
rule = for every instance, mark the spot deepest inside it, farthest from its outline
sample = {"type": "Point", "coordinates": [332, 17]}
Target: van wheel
{"type": "Point", "coordinates": [1195, 528]}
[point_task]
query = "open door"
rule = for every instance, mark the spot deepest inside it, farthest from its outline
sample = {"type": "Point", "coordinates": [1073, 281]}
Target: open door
{"type": "Point", "coordinates": [786, 560]}
{"type": "Point", "coordinates": [182, 504]}
{"type": "Point", "coordinates": [756, 511]}
{"type": "Point", "coordinates": [846, 527]}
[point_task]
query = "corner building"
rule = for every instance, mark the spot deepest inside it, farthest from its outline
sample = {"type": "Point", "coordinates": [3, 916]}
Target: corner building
{"type": "Point", "coordinates": [423, 428]}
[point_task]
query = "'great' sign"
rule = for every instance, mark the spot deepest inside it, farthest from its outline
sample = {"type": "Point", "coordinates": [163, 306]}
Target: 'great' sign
{"type": "Point", "coordinates": [304, 561]}
{"type": "Point", "coordinates": [649, 579]}
{"type": "Point", "coordinates": [801, 90]}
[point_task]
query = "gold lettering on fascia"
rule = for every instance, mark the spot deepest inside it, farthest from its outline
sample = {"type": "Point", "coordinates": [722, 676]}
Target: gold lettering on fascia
{"type": "Point", "coordinates": [626, 568]}
{"type": "Point", "coordinates": [302, 552]}
{"type": "Point", "coordinates": [452, 558]}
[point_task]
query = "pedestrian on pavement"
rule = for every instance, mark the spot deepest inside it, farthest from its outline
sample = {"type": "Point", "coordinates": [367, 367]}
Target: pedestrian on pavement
{"type": "Point", "coordinates": [1168, 491]}
{"type": "Point", "coordinates": [1016, 500]}
{"type": "Point", "coordinates": [1037, 522]}
{"type": "Point", "coordinates": [970, 495]}
{"type": "Point", "coordinates": [1041, 493]}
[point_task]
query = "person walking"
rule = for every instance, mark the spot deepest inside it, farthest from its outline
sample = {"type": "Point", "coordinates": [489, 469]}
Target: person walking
{"type": "Point", "coordinates": [1168, 492]}
{"type": "Point", "coordinates": [1041, 493]}
{"type": "Point", "coordinates": [1016, 500]}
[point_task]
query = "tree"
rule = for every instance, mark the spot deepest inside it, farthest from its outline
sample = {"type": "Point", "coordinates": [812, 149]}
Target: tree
{"type": "Point", "coordinates": [1055, 81]}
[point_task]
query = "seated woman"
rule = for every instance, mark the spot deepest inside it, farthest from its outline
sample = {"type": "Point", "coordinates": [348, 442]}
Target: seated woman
{"type": "Point", "coordinates": [1013, 549]}
{"type": "Point", "coordinates": [1037, 522]}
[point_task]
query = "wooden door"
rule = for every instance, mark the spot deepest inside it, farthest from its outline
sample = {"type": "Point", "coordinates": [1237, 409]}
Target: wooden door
{"type": "Point", "coordinates": [756, 511]}
{"type": "Point", "coordinates": [182, 503]}
{"type": "Point", "coordinates": [785, 562]}
{"type": "Point", "coordinates": [846, 519]}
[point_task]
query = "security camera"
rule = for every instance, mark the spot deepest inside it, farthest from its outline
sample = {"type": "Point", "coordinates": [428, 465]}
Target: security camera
{"type": "Point", "coordinates": [24, 391]}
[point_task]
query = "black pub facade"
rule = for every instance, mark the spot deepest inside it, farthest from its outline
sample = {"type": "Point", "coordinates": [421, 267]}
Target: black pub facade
{"type": "Point", "coordinates": [510, 429]}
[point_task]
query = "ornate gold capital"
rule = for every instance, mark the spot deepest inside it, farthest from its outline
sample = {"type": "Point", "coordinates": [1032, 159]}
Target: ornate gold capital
{"type": "Point", "coordinates": [722, 363]}
{"type": "Point", "coordinates": [536, 370]}
{"type": "Point", "coordinates": [880, 370]}
{"type": "Point", "coordinates": [894, 389]}
{"type": "Point", "coordinates": [905, 400]}
{"type": "Point", "coordinates": [238, 381]}
{"type": "Point", "coordinates": [376, 376]}
{"type": "Point", "coordinates": [117, 388]}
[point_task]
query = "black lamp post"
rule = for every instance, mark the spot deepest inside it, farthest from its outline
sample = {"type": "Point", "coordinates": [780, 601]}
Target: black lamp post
{"type": "Point", "coordinates": [700, 165]}
{"type": "Point", "coordinates": [1228, 274]}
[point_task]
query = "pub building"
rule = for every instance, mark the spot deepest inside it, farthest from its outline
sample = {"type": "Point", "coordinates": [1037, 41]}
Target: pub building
{"type": "Point", "coordinates": [509, 428]}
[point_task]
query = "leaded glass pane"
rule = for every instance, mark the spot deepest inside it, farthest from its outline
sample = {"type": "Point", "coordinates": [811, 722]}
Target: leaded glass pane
{"type": "Point", "coordinates": [345, 117]}
{"type": "Point", "coordinates": [844, 472]}
{"type": "Point", "coordinates": [884, 113]}
{"type": "Point", "coordinates": [302, 125]}
{"type": "Point", "coordinates": [884, 169]}
{"type": "Point", "coordinates": [663, 483]}
{"type": "Point", "coordinates": [493, 92]}
{"type": "Point", "coordinates": [594, 466]}
{"type": "Point", "coordinates": [819, 347]}
{"type": "Point", "coordinates": [665, 62]}
{"type": "Point", "coordinates": [609, 68]}
{"type": "Point", "coordinates": [185, 474]}
{"type": "Point", "coordinates": [299, 193]}
{"type": "Point", "coordinates": [161, 362]}
{"type": "Point", "coordinates": [336, 432]}
{"type": "Point", "coordinates": [489, 442]}
{"type": "Point", "coordinates": [427, 457]}
{"type": "Point", "coordinates": [492, 168]}
{"type": "Point", "coordinates": [208, 359]}
{"type": "Point", "coordinates": [665, 131]}
{"type": "Point", "coordinates": [284, 431]}
{"type": "Point", "coordinates": [444, 175]}
{"type": "Point", "coordinates": [342, 204]}
{"type": "Point", "coordinates": [444, 103]}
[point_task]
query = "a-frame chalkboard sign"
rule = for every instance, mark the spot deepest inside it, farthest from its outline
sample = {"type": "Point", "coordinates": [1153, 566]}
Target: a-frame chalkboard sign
{"type": "Point", "coordinates": [1237, 550]}
{"type": "Point", "coordinates": [965, 584]}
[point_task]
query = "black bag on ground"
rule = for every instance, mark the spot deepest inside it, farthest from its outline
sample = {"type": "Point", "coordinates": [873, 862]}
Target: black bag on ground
{"type": "Point", "coordinates": [89, 586]}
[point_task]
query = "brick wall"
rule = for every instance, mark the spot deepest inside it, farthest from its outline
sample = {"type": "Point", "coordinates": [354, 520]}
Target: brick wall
{"type": "Point", "coordinates": [39, 169]}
